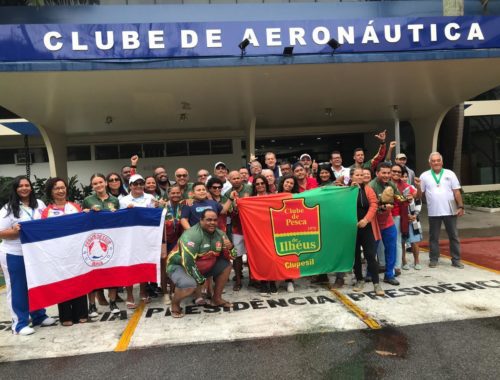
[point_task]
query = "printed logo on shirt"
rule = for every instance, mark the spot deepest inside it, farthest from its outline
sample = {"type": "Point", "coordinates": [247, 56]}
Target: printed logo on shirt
{"type": "Point", "coordinates": [190, 244]}
{"type": "Point", "coordinates": [97, 250]}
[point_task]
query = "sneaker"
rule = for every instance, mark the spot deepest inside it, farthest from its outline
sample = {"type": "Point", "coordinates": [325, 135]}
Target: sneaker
{"type": "Point", "coordinates": [24, 331]}
{"type": "Point", "coordinates": [49, 321]}
{"type": "Point", "coordinates": [289, 287]}
{"type": "Point", "coordinates": [273, 288]}
{"type": "Point", "coordinates": [391, 281]}
{"type": "Point", "coordinates": [113, 308]}
{"type": "Point", "coordinates": [458, 264]}
{"type": "Point", "coordinates": [433, 264]}
{"type": "Point", "coordinates": [93, 311]}
{"type": "Point", "coordinates": [378, 290]}
{"type": "Point", "coordinates": [359, 286]}
{"type": "Point", "coordinates": [264, 290]}
{"type": "Point", "coordinates": [338, 284]}
{"type": "Point", "coordinates": [418, 266]}
{"type": "Point", "coordinates": [406, 267]}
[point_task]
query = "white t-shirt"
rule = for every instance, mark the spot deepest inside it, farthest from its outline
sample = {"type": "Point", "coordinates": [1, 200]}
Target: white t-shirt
{"type": "Point", "coordinates": [145, 200]}
{"type": "Point", "coordinates": [13, 246]}
{"type": "Point", "coordinates": [439, 197]}
{"type": "Point", "coordinates": [346, 172]}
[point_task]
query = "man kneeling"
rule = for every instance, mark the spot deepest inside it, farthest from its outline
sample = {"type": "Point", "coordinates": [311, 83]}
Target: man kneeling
{"type": "Point", "coordinates": [203, 251]}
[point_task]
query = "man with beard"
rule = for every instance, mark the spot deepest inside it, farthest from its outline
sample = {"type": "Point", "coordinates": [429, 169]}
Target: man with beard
{"type": "Point", "coordinates": [161, 177]}
{"type": "Point", "coordinates": [359, 155]}
{"type": "Point", "coordinates": [305, 182]}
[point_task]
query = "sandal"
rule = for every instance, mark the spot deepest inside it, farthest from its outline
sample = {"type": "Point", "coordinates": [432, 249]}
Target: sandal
{"type": "Point", "coordinates": [176, 314]}
{"type": "Point", "coordinates": [131, 305]}
{"type": "Point", "coordinates": [67, 323]}
{"type": "Point", "coordinates": [146, 299]}
{"type": "Point", "coordinates": [200, 301]}
{"type": "Point", "coordinates": [223, 304]}
{"type": "Point", "coordinates": [237, 287]}
{"type": "Point", "coordinates": [83, 320]}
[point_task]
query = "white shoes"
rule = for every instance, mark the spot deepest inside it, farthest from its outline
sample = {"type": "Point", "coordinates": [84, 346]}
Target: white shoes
{"type": "Point", "coordinates": [25, 331]}
{"type": "Point", "coordinates": [49, 321]}
{"type": "Point", "coordinates": [289, 287]}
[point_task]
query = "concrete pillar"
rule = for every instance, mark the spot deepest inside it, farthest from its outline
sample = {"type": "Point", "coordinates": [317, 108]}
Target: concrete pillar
{"type": "Point", "coordinates": [426, 137]}
{"type": "Point", "coordinates": [397, 135]}
{"type": "Point", "coordinates": [251, 138]}
{"type": "Point", "coordinates": [57, 151]}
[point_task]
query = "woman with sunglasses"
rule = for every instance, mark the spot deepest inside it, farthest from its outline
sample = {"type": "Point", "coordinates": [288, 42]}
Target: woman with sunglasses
{"type": "Point", "coordinates": [22, 206]}
{"type": "Point", "coordinates": [101, 201]}
{"type": "Point", "coordinates": [114, 185]}
{"type": "Point", "coordinates": [56, 191]}
{"type": "Point", "coordinates": [260, 187]}
{"type": "Point", "coordinates": [137, 198]}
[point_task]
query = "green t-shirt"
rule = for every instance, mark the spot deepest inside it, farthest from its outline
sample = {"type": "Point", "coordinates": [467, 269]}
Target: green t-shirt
{"type": "Point", "coordinates": [109, 204]}
{"type": "Point", "coordinates": [192, 245]}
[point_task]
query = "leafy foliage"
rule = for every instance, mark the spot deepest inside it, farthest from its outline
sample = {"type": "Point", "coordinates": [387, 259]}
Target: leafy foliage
{"type": "Point", "coordinates": [489, 199]}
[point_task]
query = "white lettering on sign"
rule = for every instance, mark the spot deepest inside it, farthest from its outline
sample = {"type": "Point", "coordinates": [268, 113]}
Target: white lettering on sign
{"type": "Point", "coordinates": [189, 39]}
{"type": "Point", "coordinates": [47, 41]}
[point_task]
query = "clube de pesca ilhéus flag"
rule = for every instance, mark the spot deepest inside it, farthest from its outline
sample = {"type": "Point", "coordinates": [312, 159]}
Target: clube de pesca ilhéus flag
{"type": "Point", "coordinates": [289, 236]}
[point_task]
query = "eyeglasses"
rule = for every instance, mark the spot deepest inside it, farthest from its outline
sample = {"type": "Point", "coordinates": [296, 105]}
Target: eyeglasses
{"type": "Point", "coordinates": [181, 175]}
{"type": "Point", "coordinates": [216, 187]}
{"type": "Point", "coordinates": [138, 183]}
{"type": "Point", "coordinates": [114, 180]}
{"type": "Point", "coordinates": [396, 171]}
{"type": "Point", "coordinates": [59, 188]}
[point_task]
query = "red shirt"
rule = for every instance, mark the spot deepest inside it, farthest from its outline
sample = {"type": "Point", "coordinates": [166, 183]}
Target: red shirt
{"type": "Point", "coordinates": [402, 186]}
{"type": "Point", "coordinates": [311, 183]}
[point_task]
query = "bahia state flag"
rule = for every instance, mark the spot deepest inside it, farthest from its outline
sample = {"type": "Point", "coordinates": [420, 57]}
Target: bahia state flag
{"type": "Point", "coordinates": [295, 235]}
{"type": "Point", "coordinates": [71, 255]}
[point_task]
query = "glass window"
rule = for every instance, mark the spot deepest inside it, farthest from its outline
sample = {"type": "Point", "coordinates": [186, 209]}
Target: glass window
{"type": "Point", "coordinates": [7, 156]}
{"type": "Point", "coordinates": [129, 150]}
{"type": "Point", "coordinates": [177, 148]}
{"type": "Point", "coordinates": [79, 153]}
{"type": "Point", "coordinates": [197, 148]}
{"type": "Point", "coordinates": [154, 150]}
{"type": "Point", "coordinates": [221, 146]}
{"type": "Point", "coordinates": [106, 152]}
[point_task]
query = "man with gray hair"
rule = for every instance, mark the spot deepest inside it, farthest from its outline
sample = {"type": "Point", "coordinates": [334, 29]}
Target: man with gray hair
{"type": "Point", "coordinates": [441, 189]}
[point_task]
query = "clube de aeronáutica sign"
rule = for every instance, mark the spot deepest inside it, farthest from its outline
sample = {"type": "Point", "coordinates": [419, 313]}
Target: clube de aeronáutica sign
{"type": "Point", "coordinates": [208, 39]}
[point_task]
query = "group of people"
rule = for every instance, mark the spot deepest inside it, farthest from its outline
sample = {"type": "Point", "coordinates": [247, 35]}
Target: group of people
{"type": "Point", "coordinates": [203, 238]}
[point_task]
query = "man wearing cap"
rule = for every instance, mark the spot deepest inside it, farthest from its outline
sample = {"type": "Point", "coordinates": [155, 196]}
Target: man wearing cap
{"type": "Point", "coordinates": [220, 171]}
{"type": "Point", "coordinates": [307, 163]}
{"type": "Point", "coordinates": [401, 160]}
{"type": "Point", "coordinates": [270, 160]}
{"type": "Point", "coordinates": [359, 155]}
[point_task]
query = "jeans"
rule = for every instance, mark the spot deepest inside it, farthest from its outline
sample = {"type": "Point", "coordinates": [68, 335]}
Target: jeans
{"type": "Point", "coordinates": [450, 224]}
{"type": "Point", "coordinates": [399, 244]}
{"type": "Point", "coordinates": [389, 238]}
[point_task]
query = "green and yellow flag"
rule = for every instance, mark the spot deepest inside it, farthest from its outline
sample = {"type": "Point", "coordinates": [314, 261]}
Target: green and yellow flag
{"type": "Point", "coordinates": [294, 235]}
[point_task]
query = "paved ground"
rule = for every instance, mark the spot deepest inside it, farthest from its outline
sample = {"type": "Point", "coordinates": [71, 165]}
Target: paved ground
{"type": "Point", "coordinates": [440, 322]}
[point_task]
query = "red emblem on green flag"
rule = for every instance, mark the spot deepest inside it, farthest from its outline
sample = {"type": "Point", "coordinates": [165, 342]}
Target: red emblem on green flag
{"type": "Point", "coordinates": [294, 235]}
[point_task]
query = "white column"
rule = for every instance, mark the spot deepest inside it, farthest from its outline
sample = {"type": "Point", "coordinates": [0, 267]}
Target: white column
{"type": "Point", "coordinates": [397, 135]}
{"type": "Point", "coordinates": [57, 151]}
{"type": "Point", "coordinates": [251, 138]}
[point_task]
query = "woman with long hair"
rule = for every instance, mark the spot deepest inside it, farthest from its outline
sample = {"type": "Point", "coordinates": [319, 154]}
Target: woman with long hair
{"type": "Point", "coordinates": [56, 191]}
{"type": "Point", "coordinates": [22, 206]}
{"type": "Point", "coordinates": [368, 233]}
{"type": "Point", "coordinates": [324, 175]}
{"type": "Point", "coordinates": [114, 185]}
{"type": "Point", "coordinates": [101, 201]}
{"type": "Point", "coordinates": [151, 187]}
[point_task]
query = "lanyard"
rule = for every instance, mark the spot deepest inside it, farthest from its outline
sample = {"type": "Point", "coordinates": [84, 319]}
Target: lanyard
{"type": "Point", "coordinates": [32, 215]}
{"type": "Point", "coordinates": [437, 178]}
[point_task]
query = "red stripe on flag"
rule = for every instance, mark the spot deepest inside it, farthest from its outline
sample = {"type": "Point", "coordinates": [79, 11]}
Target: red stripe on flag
{"type": "Point", "coordinates": [60, 291]}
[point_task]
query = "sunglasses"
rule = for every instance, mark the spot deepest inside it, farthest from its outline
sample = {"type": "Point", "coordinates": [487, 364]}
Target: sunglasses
{"type": "Point", "coordinates": [114, 180]}
{"type": "Point", "coordinates": [138, 183]}
{"type": "Point", "coordinates": [181, 175]}
{"type": "Point", "coordinates": [216, 187]}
